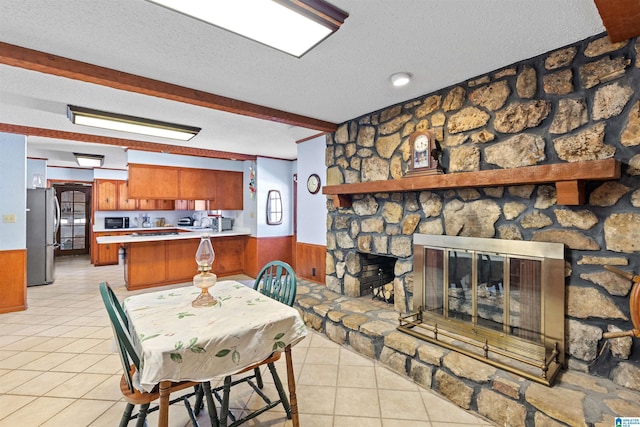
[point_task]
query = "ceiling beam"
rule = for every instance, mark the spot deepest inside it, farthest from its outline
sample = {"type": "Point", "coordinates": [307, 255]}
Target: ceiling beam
{"type": "Point", "coordinates": [121, 142]}
{"type": "Point", "coordinates": [34, 60]}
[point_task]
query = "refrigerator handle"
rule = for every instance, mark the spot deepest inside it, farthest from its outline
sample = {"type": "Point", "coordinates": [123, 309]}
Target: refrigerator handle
{"type": "Point", "coordinates": [57, 220]}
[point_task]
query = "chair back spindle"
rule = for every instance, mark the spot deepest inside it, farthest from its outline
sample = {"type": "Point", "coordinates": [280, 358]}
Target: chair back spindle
{"type": "Point", "coordinates": [277, 280]}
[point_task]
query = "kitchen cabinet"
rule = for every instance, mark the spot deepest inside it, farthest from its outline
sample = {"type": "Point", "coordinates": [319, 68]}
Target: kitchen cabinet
{"type": "Point", "coordinates": [106, 194]}
{"type": "Point", "coordinates": [223, 189]}
{"type": "Point", "coordinates": [229, 194]}
{"type": "Point", "coordinates": [180, 256]}
{"type": "Point", "coordinates": [104, 254]}
{"type": "Point", "coordinates": [165, 262]}
{"type": "Point", "coordinates": [155, 205]}
{"type": "Point", "coordinates": [154, 182]}
{"type": "Point", "coordinates": [145, 264]}
{"type": "Point", "coordinates": [185, 205]}
{"type": "Point", "coordinates": [124, 202]}
{"type": "Point", "coordinates": [197, 184]}
{"type": "Point", "coordinates": [114, 195]}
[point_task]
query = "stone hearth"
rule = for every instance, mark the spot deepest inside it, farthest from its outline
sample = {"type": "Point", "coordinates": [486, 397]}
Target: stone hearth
{"type": "Point", "coordinates": [369, 328]}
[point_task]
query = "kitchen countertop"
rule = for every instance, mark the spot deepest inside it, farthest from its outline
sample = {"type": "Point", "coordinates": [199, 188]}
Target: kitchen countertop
{"type": "Point", "coordinates": [181, 233]}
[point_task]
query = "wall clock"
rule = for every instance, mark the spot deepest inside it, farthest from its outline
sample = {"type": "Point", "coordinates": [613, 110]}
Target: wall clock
{"type": "Point", "coordinates": [313, 183]}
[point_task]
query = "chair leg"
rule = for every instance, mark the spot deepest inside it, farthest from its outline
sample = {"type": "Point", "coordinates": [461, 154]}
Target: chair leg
{"type": "Point", "coordinates": [142, 415]}
{"type": "Point", "coordinates": [278, 384]}
{"type": "Point", "coordinates": [224, 410]}
{"type": "Point", "coordinates": [126, 416]}
{"type": "Point", "coordinates": [192, 416]}
{"type": "Point", "coordinates": [258, 375]}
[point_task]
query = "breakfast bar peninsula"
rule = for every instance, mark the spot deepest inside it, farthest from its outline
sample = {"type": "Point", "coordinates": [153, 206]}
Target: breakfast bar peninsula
{"type": "Point", "coordinates": [167, 256]}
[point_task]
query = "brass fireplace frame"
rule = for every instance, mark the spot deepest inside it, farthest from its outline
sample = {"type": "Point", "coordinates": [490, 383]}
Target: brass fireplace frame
{"type": "Point", "coordinates": [538, 361]}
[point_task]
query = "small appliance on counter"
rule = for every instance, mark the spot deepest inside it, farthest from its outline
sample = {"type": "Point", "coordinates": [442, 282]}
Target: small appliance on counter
{"type": "Point", "coordinates": [146, 221]}
{"type": "Point", "coordinates": [112, 222]}
{"type": "Point", "coordinates": [185, 222]}
{"type": "Point", "coordinates": [221, 224]}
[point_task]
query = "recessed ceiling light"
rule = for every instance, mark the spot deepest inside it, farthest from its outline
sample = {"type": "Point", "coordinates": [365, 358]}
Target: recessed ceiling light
{"type": "Point", "coordinates": [400, 79]}
{"type": "Point", "coordinates": [292, 26]}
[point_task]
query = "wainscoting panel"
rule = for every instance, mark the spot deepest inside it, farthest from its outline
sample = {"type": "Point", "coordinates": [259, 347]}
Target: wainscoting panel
{"type": "Point", "coordinates": [13, 280]}
{"type": "Point", "coordinates": [259, 251]}
{"type": "Point", "coordinates": [311, 261]}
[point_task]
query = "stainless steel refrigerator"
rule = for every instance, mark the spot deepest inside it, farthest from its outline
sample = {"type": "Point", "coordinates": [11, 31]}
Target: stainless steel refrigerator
{"type": "Point", "coordinates": [43, 220]}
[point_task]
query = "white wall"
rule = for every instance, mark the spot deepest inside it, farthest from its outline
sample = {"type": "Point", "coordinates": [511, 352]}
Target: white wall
{"type": "Point", "coordinates": [272, 174]}
{"type": "Point", "coordinates": [312, 208]}
{"type": "Point", "coordinates": [166, 159]}
{"type": "Point", "coordinates": [118, 174]}
{"type": "Point", "coordinates": [36, 171]}
{"type": "Point", "coordinates": [70, 174]}
{"type": "Point", "coordinates": [13, 191]}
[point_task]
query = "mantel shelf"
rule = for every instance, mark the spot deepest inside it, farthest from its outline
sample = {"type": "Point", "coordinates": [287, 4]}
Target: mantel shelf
{"type": "Point", "coordinates": [569, 179]}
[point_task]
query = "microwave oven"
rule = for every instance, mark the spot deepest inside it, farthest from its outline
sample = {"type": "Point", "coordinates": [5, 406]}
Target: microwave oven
{"type": "Point", "coordinates": [221, 224]}
{"type": "Point", "coordinates": [116, 222]}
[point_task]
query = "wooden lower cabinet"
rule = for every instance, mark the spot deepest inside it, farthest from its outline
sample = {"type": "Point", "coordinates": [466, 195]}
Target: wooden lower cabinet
{"type": "Point", "coordinates": [145, 264]}
{"type": "Point", "coordinates": [104, 254]}
{"type": "Point", "coordinates": [166, 262]}
{"type": "Point", "coordinates": [229, 255]}
{"type": "Point", "coordinates": [181, 260]}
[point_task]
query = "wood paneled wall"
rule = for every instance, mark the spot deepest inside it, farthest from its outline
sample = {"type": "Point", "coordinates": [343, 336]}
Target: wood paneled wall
{"type": "Point", "coordinates": [13, 280]}
{"type": "Point", "coordinates": [260, 251]}
{"type": "Point", "coordinates": [311, 261]}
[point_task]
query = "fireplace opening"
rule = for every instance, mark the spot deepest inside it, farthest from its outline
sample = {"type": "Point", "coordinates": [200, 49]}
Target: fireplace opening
{"type": "Point", "coordinates": [499, 301]}
{"type": "Point", "coordinates": [376, 277]}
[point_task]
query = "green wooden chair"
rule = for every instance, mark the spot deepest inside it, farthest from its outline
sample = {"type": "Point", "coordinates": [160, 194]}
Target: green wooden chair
{"type": "Point", "coordinates": [131, 363]}
{"type": "Point", "coordinates": [276, 280]}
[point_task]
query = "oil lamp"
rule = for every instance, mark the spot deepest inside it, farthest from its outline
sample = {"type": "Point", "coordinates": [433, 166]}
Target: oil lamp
{"type": "Point", "coordinates": [204, 279]}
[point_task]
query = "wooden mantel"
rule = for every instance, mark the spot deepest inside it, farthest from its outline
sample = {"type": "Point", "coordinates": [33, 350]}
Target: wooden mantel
{"type": "Point", "coordinates": [569, 179]}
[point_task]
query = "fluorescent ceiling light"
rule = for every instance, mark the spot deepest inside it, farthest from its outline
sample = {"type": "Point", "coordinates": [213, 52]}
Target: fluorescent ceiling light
{"type": "Point", "coordinates": [120, 122]}
{"type": "Point", "coordinates": [89, 160]}
{"type": "Point", "coordinates": [292, 26]}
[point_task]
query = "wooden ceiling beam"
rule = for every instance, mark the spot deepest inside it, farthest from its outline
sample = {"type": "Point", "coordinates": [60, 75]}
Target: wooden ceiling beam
{"type": "Point", "coordinates": [121, 142]}
{"type": "Point", "coordinates": [621, 18]}
{"type": "Point", "coordinates": [34, 60]}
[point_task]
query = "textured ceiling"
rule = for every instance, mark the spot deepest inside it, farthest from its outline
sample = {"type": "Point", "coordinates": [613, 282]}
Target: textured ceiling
{"type": "Point", "coordinates": [346, 76]}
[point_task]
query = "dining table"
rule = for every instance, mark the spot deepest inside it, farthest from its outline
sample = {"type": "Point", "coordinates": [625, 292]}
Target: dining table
{"type": "Point", "coordinates": [178, 342]}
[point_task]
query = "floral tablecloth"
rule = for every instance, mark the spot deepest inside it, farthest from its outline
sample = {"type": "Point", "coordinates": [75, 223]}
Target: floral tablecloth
{"type": "Point", "coordinates": [178, 342]}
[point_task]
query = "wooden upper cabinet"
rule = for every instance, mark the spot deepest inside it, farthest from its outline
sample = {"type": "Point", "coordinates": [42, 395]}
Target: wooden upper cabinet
{"type": "Point", "coordinates": [229, 194]}
{"type": "Point", "coordinates": [124, 202]}
{"type": "Point", "coordinates": [106, 194]}
{"type": "Point", "coordinates": [197, 184]}
{"type": "Point", "coordinates": [154, 182]}
{"type": "Point", "coordinates": [223, 189]}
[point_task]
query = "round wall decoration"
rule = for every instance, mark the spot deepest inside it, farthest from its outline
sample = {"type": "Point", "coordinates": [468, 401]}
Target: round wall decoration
{"type": "Point", "coordinates": [313, 183]}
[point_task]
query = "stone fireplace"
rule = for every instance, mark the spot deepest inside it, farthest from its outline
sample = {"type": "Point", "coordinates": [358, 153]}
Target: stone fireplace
{"type": "Point", "coordinates": [578, 104]}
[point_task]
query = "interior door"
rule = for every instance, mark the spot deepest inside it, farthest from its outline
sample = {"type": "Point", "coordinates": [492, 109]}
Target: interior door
{"type": "Point", "coordinates": [75, 210]}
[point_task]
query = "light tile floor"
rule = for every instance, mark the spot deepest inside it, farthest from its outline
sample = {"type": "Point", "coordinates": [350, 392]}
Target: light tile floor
{"type": "Point", "coordinates": [57, 369]}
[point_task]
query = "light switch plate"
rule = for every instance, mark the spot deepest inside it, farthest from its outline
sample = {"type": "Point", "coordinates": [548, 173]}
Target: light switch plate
{"type": "Point", "coordinates": [9, 218]}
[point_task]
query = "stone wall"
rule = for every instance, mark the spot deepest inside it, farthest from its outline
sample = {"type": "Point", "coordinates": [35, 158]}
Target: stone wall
{"type": "Point", "coordinates": [578, 103]}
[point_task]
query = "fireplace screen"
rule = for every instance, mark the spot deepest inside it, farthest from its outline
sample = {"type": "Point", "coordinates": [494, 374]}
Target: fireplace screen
{"type": "Point", "coordinates": [496, 300]}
